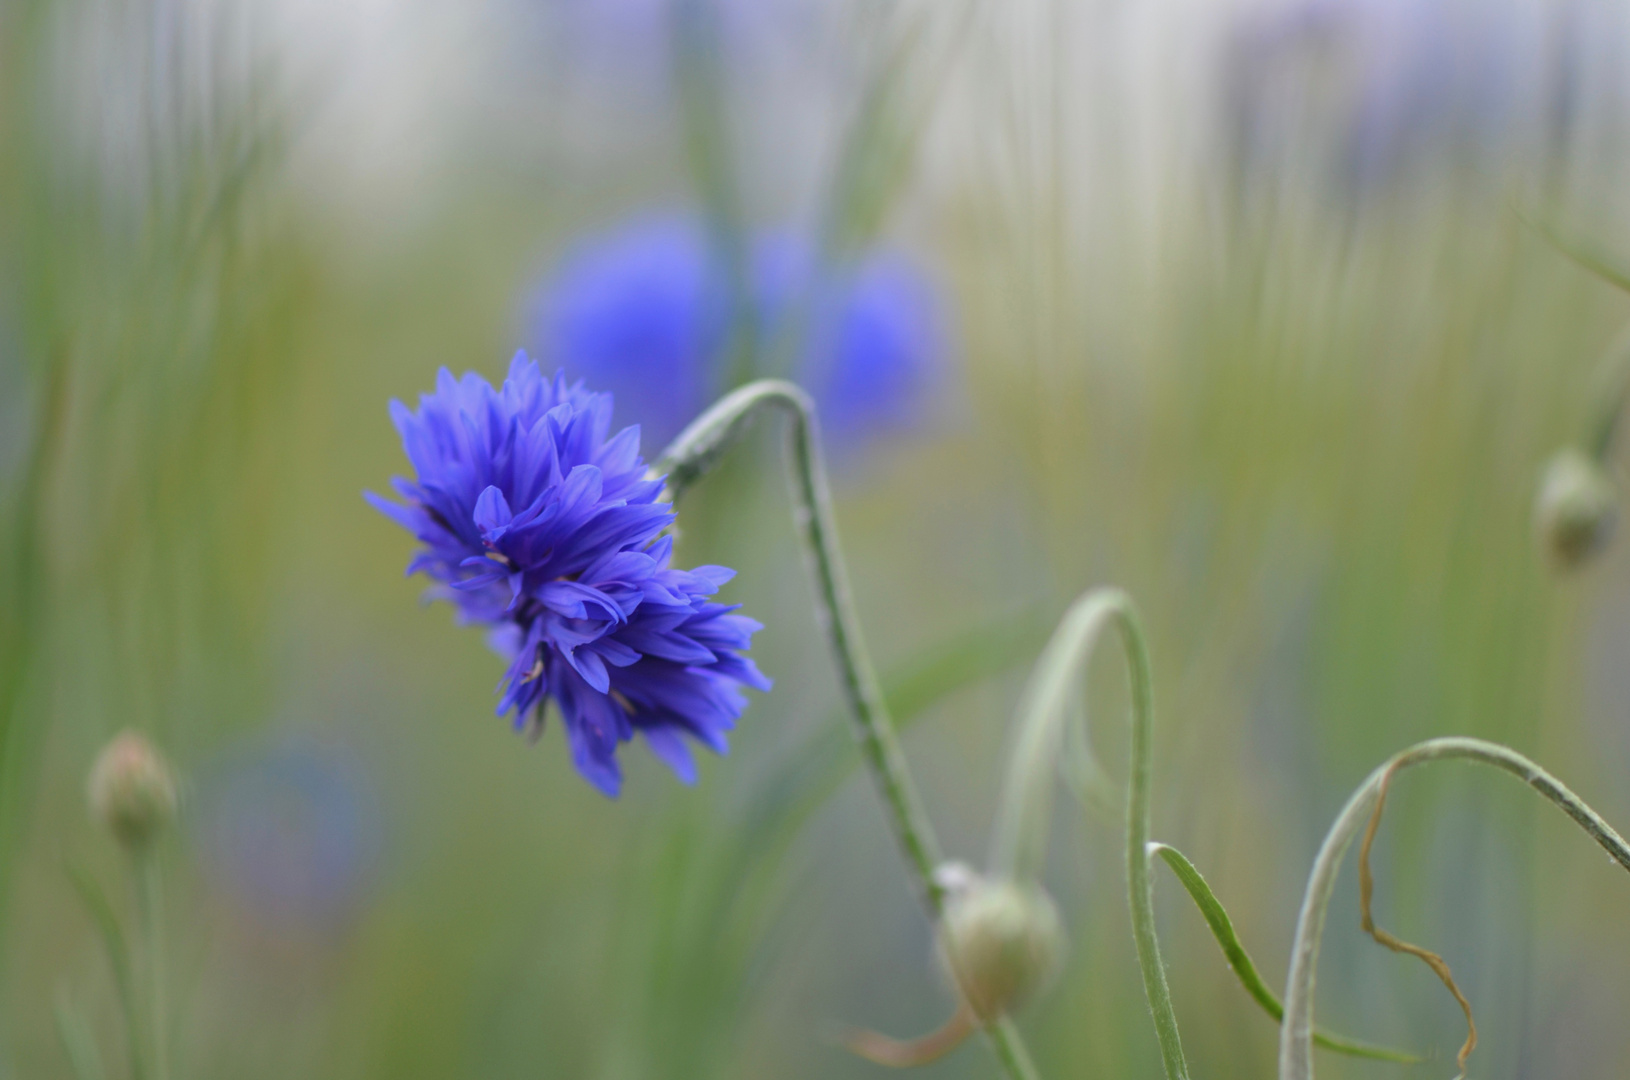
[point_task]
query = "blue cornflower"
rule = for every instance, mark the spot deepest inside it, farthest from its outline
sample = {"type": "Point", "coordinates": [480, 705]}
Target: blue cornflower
{"type": "Point", "coordinates": [540, 524]}
{"type": "Point", "coordinates": [644, 310]}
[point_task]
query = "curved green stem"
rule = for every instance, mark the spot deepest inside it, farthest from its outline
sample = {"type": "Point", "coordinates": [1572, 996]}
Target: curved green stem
{"type": "Point", "coordinates": [1296, 1033]}
{"type": "Point", "coordinates": [697, 449]}
{"type": "Point", "coordinates": [1021, 824]}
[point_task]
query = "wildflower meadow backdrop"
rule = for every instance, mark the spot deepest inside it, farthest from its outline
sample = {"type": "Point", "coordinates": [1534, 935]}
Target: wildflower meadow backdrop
{"type": "Point", "coordinates": [622, 539]}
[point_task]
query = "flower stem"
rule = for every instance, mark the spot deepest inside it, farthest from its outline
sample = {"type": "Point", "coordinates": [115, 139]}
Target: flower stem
{"type": "Point", "coordinates": [686, 460]}
{"type": "Point", "coordinates": [1021, 825]}
{"type": "Point", "coordinates": [1296, 1034]}
{"type": "Point", "coordinates": [692, 454]}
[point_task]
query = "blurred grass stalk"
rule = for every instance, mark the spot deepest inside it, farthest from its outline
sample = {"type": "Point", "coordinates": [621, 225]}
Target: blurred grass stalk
{"type": "Point", "coordinates": [147, 296]}
{"type": "Point", "coordinates": [22, 488]}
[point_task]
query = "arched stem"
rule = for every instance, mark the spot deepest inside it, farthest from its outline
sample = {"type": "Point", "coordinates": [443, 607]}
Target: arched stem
{"type": "Point", "coordinates": [1021, 826]}
{"type": "Point", "coordinates": [1296, 1034]}
{"type": "Point", "coordinates": [697, 449]}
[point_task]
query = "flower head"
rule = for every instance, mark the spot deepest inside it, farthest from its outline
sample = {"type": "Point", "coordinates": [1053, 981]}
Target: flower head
{"type": "Point", "coordinates": [541, 524]}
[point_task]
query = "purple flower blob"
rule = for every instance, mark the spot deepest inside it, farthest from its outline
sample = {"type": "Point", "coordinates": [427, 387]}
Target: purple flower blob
{"type": "Point", "coordinates": [540, 524]}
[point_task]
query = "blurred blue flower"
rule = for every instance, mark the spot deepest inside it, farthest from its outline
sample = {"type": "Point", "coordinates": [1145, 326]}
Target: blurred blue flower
{"type": "Point", "coordinates": [873, 337]}
{"type": "Point", "coordinates": [631, 42]}
{"type": "Point", "coordinates": [540, 524]}
{"type": "Point", "coordinates": [1372, 90]}
{"type": "Point", "coordinates": [292, 834]}
{"type": "Point", "coordinates": [645, 311]}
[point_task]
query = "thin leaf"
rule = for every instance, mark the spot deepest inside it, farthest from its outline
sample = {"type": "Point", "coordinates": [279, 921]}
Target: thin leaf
{"type": "Point", "coordinates": [1222, 928]}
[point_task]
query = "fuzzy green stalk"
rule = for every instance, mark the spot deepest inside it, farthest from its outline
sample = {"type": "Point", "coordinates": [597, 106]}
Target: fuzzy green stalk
{"type": "Point", "coordinates": [149, 888]}
{"type": "Point", "coordinates": [1296, 1034]}
{"type": "Point", "coordinates": [686, 460]}
{"type": "Point", "coordinates": [1021, 826]}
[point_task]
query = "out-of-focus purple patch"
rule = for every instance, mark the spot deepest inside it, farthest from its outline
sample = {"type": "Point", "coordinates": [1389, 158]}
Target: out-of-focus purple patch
{"type": "Point", "coordinates": [641, 311]}
{"type": "Point", "coordinates": [291, 837]}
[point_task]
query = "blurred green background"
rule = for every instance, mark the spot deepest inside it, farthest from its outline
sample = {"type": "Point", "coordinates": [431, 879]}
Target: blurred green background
{"type": "Point", "coordinates": [1243, 318]}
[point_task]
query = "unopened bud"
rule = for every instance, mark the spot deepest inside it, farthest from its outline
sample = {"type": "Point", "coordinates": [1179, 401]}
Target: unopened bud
{"type": "Point", "coordinates": [132, 790]}
{"type": "Point", "coordinates": [1576, 509]}
{"type": "Point", "coordinates": [1001, 941]}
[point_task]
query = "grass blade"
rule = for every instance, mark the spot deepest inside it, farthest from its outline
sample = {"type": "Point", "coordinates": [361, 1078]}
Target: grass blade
{"type": "Point", "coordinates": [78, 1041]}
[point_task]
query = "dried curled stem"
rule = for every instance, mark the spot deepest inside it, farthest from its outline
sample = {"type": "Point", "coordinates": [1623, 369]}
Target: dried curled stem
{"type": "Point", "coordinates": [1366, 892]}
{"type": "Point", "coordinates": [1296, 1034]}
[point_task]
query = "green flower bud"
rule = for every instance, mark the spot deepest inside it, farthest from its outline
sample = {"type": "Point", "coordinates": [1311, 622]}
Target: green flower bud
{"type": "Point", "coordinates": [1000, 941]}
{"type": "Point", "coordinates": [132, 790]}
{"type": "Point", "coordinates": [1576, 509]}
